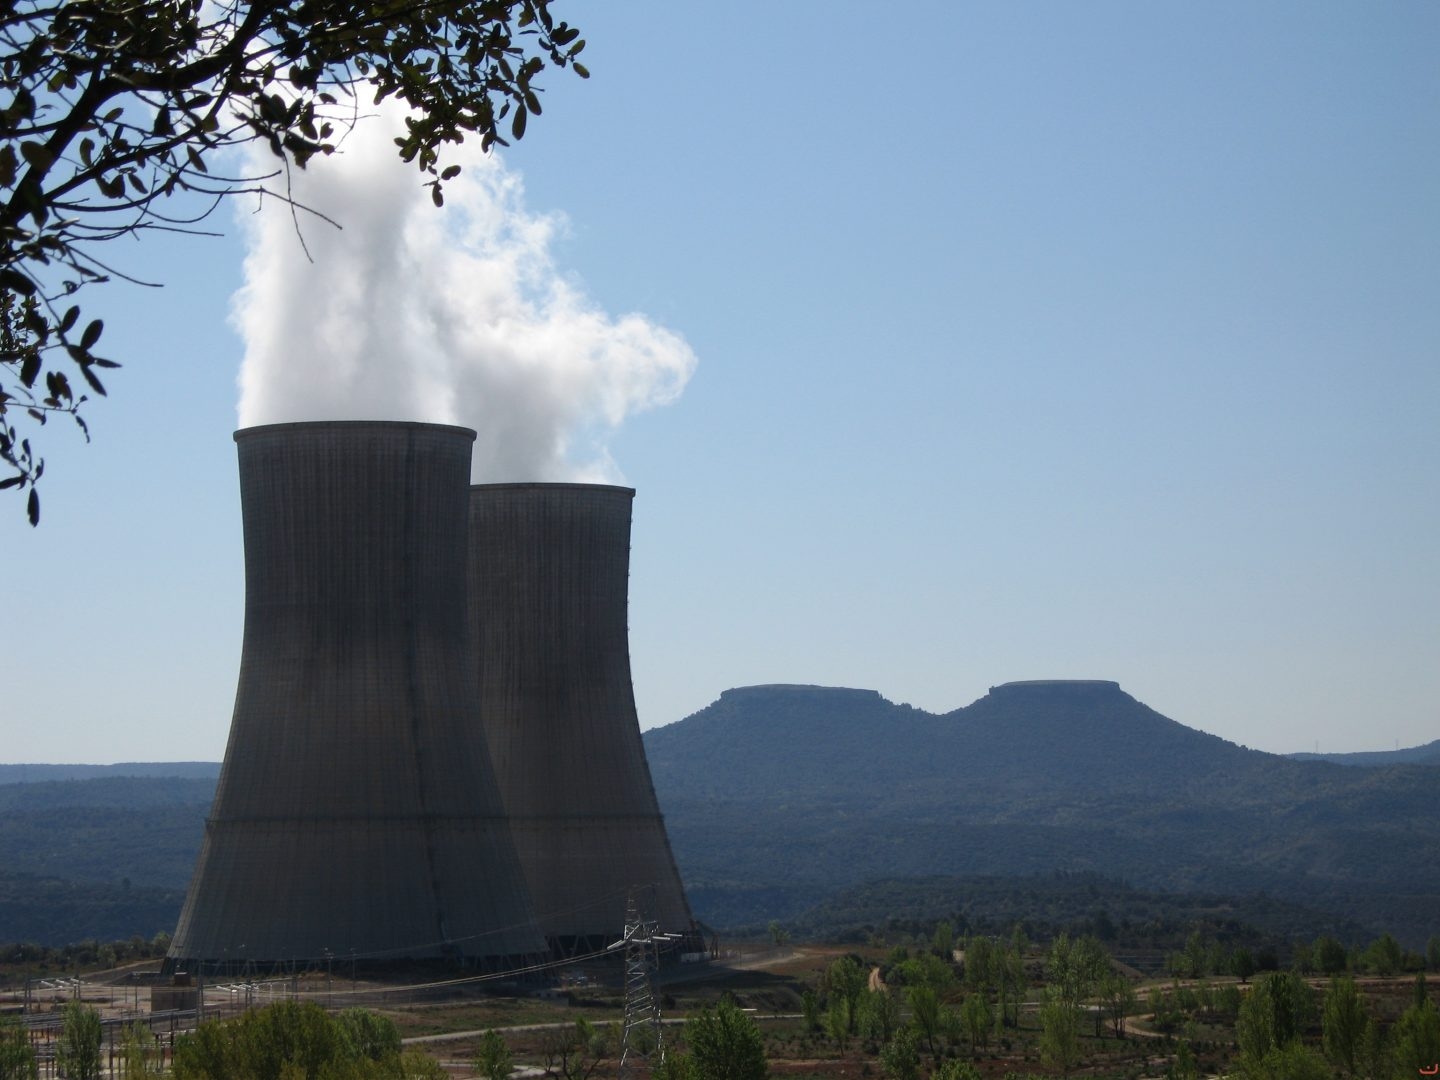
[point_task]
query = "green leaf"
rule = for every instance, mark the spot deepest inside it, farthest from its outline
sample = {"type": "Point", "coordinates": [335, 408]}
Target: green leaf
{"type": "Point", "coordinates": [59, 387]}
{"type": "Point", "coordinates": [36, 324]}
{"type": "Point", "coordinates": [517, 125]}
{"type": "Point", "coordinates": [95, 384]}
{"type": "Point", "coordinates": [92, 334]}
{"type": "Point", "coordinates": [36, 155]}
{"type": "Point", "coordinates": [581, 70]}
{"type": "Point", "coordinates": [32, 508]}
{"type": "Point", "coordinates": [29, 369]}
{"type": "Point", "coordinates": [16, 282]}
{"type": "Point", "coordinates": [23, 107]}
{"type": "Point", "coordinates": [68, 319]}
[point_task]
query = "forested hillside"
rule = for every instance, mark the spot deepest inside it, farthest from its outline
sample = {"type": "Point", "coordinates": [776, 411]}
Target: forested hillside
{"type": "Point", "coordinates": [778, 799]}
{"type": "Point", "coordinates": [102, 858]}
{"type": "Point", "coordinates": [777, 795]}
{"type": "Point", "coordinates": [1429, 754]}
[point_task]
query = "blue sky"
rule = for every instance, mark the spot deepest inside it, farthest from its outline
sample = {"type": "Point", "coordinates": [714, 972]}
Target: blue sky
{"type": "Point", "coordinates": [1035, 340]}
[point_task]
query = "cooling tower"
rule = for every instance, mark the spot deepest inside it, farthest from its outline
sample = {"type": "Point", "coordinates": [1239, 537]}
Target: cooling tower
{"type": "Point", "coordinates": [355, 813]}
{"type": "Point", "coordinates": [549, 574]}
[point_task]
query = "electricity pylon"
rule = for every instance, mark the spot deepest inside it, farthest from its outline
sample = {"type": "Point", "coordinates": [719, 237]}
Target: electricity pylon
{"type": "Point", "coordinates": [642, 1046]}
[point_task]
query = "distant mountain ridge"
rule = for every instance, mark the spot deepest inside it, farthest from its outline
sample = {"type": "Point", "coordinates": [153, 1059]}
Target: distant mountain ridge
{"type": "Point", "coordinates": [34, 774]}
{"type": "Point", "coordinates": [1429, 754]}
{"type": "Point", "coordinates": [780, 798]}
{"type": "Point", "coordinates": [776, 795]}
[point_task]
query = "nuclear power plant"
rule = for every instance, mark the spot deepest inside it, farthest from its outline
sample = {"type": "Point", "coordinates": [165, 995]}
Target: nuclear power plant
{"type": "Point", "coordinates": [434, 752]}
{"type": "Point", "coordinates": [549, 581]}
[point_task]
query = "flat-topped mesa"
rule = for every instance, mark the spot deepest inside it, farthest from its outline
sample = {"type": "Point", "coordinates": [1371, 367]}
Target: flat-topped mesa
{"type": "Point", "coordinates": [798, 690]}
{"type": "Point", "coordinates": [1058, 686]}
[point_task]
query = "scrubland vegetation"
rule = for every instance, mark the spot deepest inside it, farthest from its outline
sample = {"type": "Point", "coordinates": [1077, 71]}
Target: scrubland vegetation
{"type": "Point", "coordinates": [937, 1005]}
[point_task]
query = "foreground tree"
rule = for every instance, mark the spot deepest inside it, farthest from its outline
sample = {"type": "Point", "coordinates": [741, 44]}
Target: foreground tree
{"type": "Point", "coordinates": [1059, 1031]}
{"type": "Point", "coordinates": [879, 1016]}
{"type": "Point", "coordinates": [1293, 1061]}
{"type": "Point", "coordinates": [845, 978]}
{"type": "Point", "coordinates": [1329, 955]}
{"type": "Point", "coordinates": [900, 1057]}
{"type": "Point", "coordinates": [725, 1044]}
{"type": "Point", "coordinates": [295, 1041]}
{"type": "Point", "coordinates": [925, 1013]}
{"type": "Point", "coordinates": [1384, 956]}
{"type": "Point", "coordinates": [1344, 1021]}
{"type": "Point", "coordinates": [368, 1034]}
{"type": "Point", "coordinates": [493, 1060]}
{"type": "Point", "coordinates": [1242, 964]}
{"type": "Point", "coordinates": [1272, 1017]}
{"type": "Point", "coordinates": [78, 1051]}
{"type": "Point", "coordinates": [1118, 999]}
{"type": "Point", "coordinates": [574, 1053]}
{"type": "Point", "coordinates": [978, 1018]}
{"type": "Point", "coordinates": [840, 1021]}
{"type": "Point", "coordinates": [140, 1054]}
{"type": "Point", "coordinates": [1184, 1067]}
{"type": "Point", "coordinates": [17, 1056]}
{"type": "Point", "coordinates": [116, 107]}
{"type": "Point", "coordinates": [954, 1069]}
{"type": "Point", "coordinates": [1415, 1041]}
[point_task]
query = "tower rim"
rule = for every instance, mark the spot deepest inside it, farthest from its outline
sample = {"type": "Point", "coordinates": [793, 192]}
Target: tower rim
{"type": "Point", "coordinates": [544, 485]}
{"type": "Point", "coordinates": [328, 425]}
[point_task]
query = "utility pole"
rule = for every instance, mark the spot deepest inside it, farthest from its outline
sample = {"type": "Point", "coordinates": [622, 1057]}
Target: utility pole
{"type": "Point", "coordinates": [642, 1045]}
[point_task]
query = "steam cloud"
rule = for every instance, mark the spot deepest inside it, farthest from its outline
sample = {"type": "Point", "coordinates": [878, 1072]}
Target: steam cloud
{"type": "Point", "coordinates": [452, 316]}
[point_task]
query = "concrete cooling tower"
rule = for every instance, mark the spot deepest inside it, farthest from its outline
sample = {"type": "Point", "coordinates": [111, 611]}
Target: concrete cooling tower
{"type": "Point", "coordinates": [356, 813]}
{"type": "Point", "coordinates": [549, 579]}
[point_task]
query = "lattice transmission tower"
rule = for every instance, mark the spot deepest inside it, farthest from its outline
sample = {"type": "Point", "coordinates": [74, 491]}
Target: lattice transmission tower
{"type": "Point", "coordinates": [642, 1044]}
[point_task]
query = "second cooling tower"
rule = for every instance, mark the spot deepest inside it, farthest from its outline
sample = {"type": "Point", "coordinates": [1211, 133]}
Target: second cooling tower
{"type": "Point", "coordinates": [549, 579]}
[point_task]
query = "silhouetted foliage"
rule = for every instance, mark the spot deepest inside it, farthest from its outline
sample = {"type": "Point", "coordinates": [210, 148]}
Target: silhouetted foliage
{"type": "Point", "coordinates": [117, 107]}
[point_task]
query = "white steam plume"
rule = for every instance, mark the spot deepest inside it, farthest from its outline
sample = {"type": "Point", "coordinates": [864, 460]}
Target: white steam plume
{"type": "Point", "coordinates": [454, 315]}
